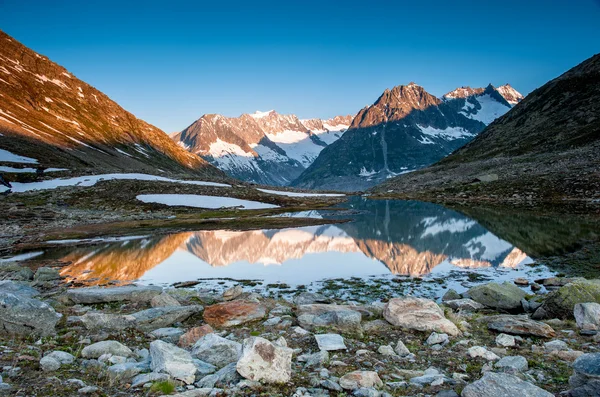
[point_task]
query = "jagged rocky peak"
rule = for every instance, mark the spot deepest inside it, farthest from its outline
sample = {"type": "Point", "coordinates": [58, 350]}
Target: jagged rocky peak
{"type": "Point", "coordinates": [511, 95]}
{"type": "Point", "coordinates": [337, 123]}
{"type": "Point", "coordinates": [273, 122]}
{"type": "Point", "coordinates": [395, 104]}
{"type": "Point", "coordinates": [463, 92]}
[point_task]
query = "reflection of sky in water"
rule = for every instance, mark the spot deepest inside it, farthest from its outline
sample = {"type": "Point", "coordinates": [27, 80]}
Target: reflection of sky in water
{"type": "Point", "coordinates": [384, 238]}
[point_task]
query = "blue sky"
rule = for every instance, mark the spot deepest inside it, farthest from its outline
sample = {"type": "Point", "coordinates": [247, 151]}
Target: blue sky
{"type": "Point", "coordinates": [169, 62]}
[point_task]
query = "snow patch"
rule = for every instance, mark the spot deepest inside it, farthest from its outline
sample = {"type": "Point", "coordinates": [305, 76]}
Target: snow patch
{"type": "Point", "coordinates": [200, 201]}
{"type": "Point", "coordinates": [9, 157]}
{"type": "Point", "coordinates": [300, 194]}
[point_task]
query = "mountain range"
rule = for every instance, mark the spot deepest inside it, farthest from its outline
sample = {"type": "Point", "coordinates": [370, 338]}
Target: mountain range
{"type": "Point", "coordinates": [405, 129]}
{"type": "Point", "coordinates": [50, 116]}
{"type": "Point", "coordinates": [546, 148]}
{"type": "Point", "coordinates": [263, 147]}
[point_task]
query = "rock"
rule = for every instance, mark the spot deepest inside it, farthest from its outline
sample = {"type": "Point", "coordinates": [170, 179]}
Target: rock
{"type": "Point", "coordinates": [357, 379]}
{"type": "Point", "coordinates": [505, 296]}
{"type": "Point", "coordinates": [505, 340]}
{"type": "Point", "coordinates": [587, 316]}
{"type": "Point", "coordinates": [502, 385]}
{"type": "Point", "coordinates": [436, 339]}
{"type": "Point", "coordinates": [555, 345]}
{"type": "Point", "coordinates": [518, 363]}
{"type": "Point", "coordinates": [518, 325]}
{"type": "Point", "coordinates": [561, 303]}
{"type": "Point", "coordinates": [133, 293]}
{"type": "Point", "coordinates": [376, 326]}
{"type": "Point", "coordinates": [217, 350]}
{"type": "Point", "coordinates": [142, 379]}
{"type": "Point", "coordinates": [386, 350]}
{"type": "Point", "coordinates": [366, 392]}
{"type": "Point", "coordinates": [451, 295]}
{"type": "Point", "coordinates": [401, 349]}
{"type": "Point", "coordinates": [330, 342]}
{"type": "Point", "coordinates": [107, 322]}
{"type": "Point", "coordinates": [192, 336]}
{"type": "Point", "coordinates": [521, 281]}
{"type": "Point", "coordinates": [106, 347]}
{"type": "Point", "coordinates": [125, 371]}
{"type": "Point", "coordinates": [447, 393]}
{"type": "Point", "coordinates": [337, 317]}
{"type": "Point", "coordinates": [431, 376]}
{"type": "Point", "coordinates": [61, 357]}
{"type": "Point", "coordinates": [331, 385]}
{"type": "Point", "coordinates": [164, 300]}
{"type": "Point", "coordinates": [567, 355]}
{"type": "Point", "coordinates": [263, 361]}
{"type": "Point", "coordinates": [18, 288]}
{"type": "Point", "coordinates": [88, 390]}
{"type": "Point", "coordinates": [170, 359]}
{"type": "Point", "coordinates": [308, 298]}
{"type": "Point", "coordinates": [316, 359]}
{"type": "Point", "coordinates": [556, 281]}
{"type": "Point", "coordinates": [535, 287]}
{"type": "Point", "coordinates": [20, 315]}
{"type": "Point", "coordinates": [44, 274]}
{"type": "Point", "coordinates": [160, 317]}
{"type": "Point", "coordinates": [468, 305]}
{"type": "Point", "coordinates": [167, 334]}
{"type": "Point", "coordinates": [589, 389]}
{"type": "Point", "coordinates": [16, 272]}
{"type": "Point", "coordinates": [418, 314]}
{"type": "Point", "coordinates": [233, 293]}
{"type": "Point", "coordinates": [48, 364]}
{"type": "Point", "coordinates": [229, 314]}
{"type": "Point", "coordinates": [479, 351]}
{"type": "Point", "coordinates": [588, 365]}
{"type": "Point", "coordinates": [272, 322]}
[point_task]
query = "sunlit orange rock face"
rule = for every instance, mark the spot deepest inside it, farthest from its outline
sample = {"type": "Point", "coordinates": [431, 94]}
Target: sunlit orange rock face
{"type": "Point", "coordinates": [127, 263]}
{"type": "Point", "coordinates": [468, 263]}
{"type": "Point", "coordinates": [228, 314]}
{"type": "Point", "coordinates": [513, 259]}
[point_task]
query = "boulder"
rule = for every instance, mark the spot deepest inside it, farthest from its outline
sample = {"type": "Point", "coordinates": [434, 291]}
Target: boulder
{"type": "Point", "coordinates": [232, 293]}
{"type": "Point", "coordinates": [217, 350]}
{"type": "Point", "coordinates": [316, 359]}
{"type": "Point", "coordinates": [482, 352]}
{"type": "Point", "coordinates": [468, 305]}
{"type": "Point", "coordinates": [236, 312]}
{"type": "Point", "coordinates": [308, 298]}
{"type": "Point", "coordinates": [401, 349]}
{"type": "Point", "coordinates": [106, 321]}
{"type": "Point", "coordinates": [170, 359]}
{"type": "Point", "coordinates": [517, 363]}
{"type": "Point", "coordinates": [436, 339]}
{"type": "Point", "coordinates": [49, 364]}
{"type": "Point", "coordinates": [518, 325]}
{"type": "Point", "coordinates": [357, 379]}
{"type": "Point", "coordinates": [150, 377]}
{"type": "Point", "coordinates": [588, 365]}
{"type": "Point", "coordinates": [555, 346]}
{"type": "Point", "coordinates": [418, 314]}
{"type": "Point", "coordinates": [16, 272]}
{"type": "Point", "coordinates": [160, 317]}
{"type": "Point", "coordinates": [505, 296]}
{"type": "Point", "coordinates": [18, 288]}
{"type": "Point", "coordinates": [330, 342]}
{"type": "Point", "coordinates": [587, 316]}
{"type": "Point", "coordinates": [113, 347]}
{"type": "Point", "coordinates": [125, 371]}
{"type": "Point", "coordinates": [505, 340]}
{"type": "Point", "coordinates": [44, 274]}
{"type": "Point", "coordinates": [130, 293]}
{"type": "Point", "coordinates": [164, 300]}
{"type": "Point", "coordinates": [338, 317]}
{"type": "Point", "coordinates": [502, 385]}
{"type": "Point", "coordinates": [451, 295]}
{"type": "Point", "coordinates": [561, 303]}
{"type": "Point", "coordinates": [20, 315]}
{"type": "Point", "coordinates": [169, 334]}
{"type": "Point", "coordinates": [264, 361]}
{"type": "Point", "coordinates": [192, 335]}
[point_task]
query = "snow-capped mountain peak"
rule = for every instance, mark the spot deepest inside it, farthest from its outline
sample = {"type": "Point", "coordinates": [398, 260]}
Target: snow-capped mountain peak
{"type": "Point", "coordinates": [511, 95]}
{"type": "Point", "coordinates": [259, 115]}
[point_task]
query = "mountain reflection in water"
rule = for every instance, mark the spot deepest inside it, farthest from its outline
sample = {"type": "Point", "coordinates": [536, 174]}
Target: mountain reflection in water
{"type": "Point", "coordinates": [406, 237]}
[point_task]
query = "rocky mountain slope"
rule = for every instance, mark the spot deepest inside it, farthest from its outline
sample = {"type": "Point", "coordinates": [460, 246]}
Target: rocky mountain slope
{"type": "Point", "coordinates": [405, 129]}
{"type": "Point", "coordinates": [546, 148]}
{"type": "Point", "coordinates": [57, 120]}
{"type": "Point", "coordinates": [263, 147]}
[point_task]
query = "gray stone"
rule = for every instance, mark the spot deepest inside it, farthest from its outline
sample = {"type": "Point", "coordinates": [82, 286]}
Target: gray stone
{"type": "Point", "coordinates": [106, 347]}
{"type": "Point", "coordinates": [330, 342]}
{"type": "Point", "coordinates": [518, 325]}
{"type": "Point", "coordinates": [376, 326]}
{"type": "Point", "coordinates": [555, 345]}
{"type": "Point", "coordinates": [14, 271]}
{"type": "Point", "coordinates": [88, 390]}
{"type": "Point", "coordinates": [90, 295]}
{"type": "Point", "coordinates": [561, 303]}
{"type": "Point", "coordinates": [203, 368]}
{"type": "Point", "coordinates": [160, 317]}
{"type": "Point", "coordinates": [502, 385]}
{"type": "Point", "coordinates": [418, 314]}
{"type": "Point", "coordinates": [264, 361]}
{"type": "Point", "coordinates": [588, 365]}
{"type": "Point", "coordinates": [366, 392]}
{"type": "Point", "coordinates": [308, 298]}
{"type": "Point", "coordinates": [331, 385]}
{"type": "Point", "coordinates": [505, 340]}
{"type": "Point", "coordinates": [168, 334]}
{"type": "Point", "coordinates": [337, 317]}
{"type": "Point", "coordinates": [233, 293]}
{"type": "Point", "coordinates": [142, 379]}
{"type": "Point", "coordinates": [217, 350]}
{"type": "Point", "coordinates": [518, 363]}
{"type": "Point", "coordinates": [170, 359]}
{"type": "Point", "coordinates": [479, 351]}
{"type": "Point", "coordinates": [506, 296]}
{"type": "Point", "coordinates": [20, 315]}
{"type": "Point", "coordinates": [18, 288]}
{"type": "Point", "coordinates": [587, 316]}
{"type": "Point", "coordinates": [61, 357]}
{"type": "Point", "coordinates": [436, 339]}
{"type": "Point", "coordinates": [164, 300]}
{"type": "Point", "coordinates": [316, 359]}
{"type": "Point", "coordinates": [43, 274]}
{"type": "Point", "coordinates": [401, 349]}
{"type": "Point", "coordinates": [48, 364]}
{"type": "Point", "coordinates": [97, 321]}
{"type": "Point", "coordinates": [467, 305]}
{"type": "Point", "coordinates": [451, 295]}
{"type": "Point", "coordinates": [386, 350]}
{"type": "Point", "coordinates": [125, 371]}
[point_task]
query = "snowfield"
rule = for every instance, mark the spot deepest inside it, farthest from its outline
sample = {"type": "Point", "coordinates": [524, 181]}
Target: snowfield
{"type": "Point", "coordinates": [200, 201]}
{"type": "Point", "coordinates": [300, 194]}
{"type": "Point", "coordinates": [91, 180]}
{"type": "Point", "coordinates": [9, 157]}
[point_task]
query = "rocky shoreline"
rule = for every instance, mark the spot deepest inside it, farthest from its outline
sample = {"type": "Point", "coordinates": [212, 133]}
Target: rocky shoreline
{"type": "Point", "coordinates": [493, 340]}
